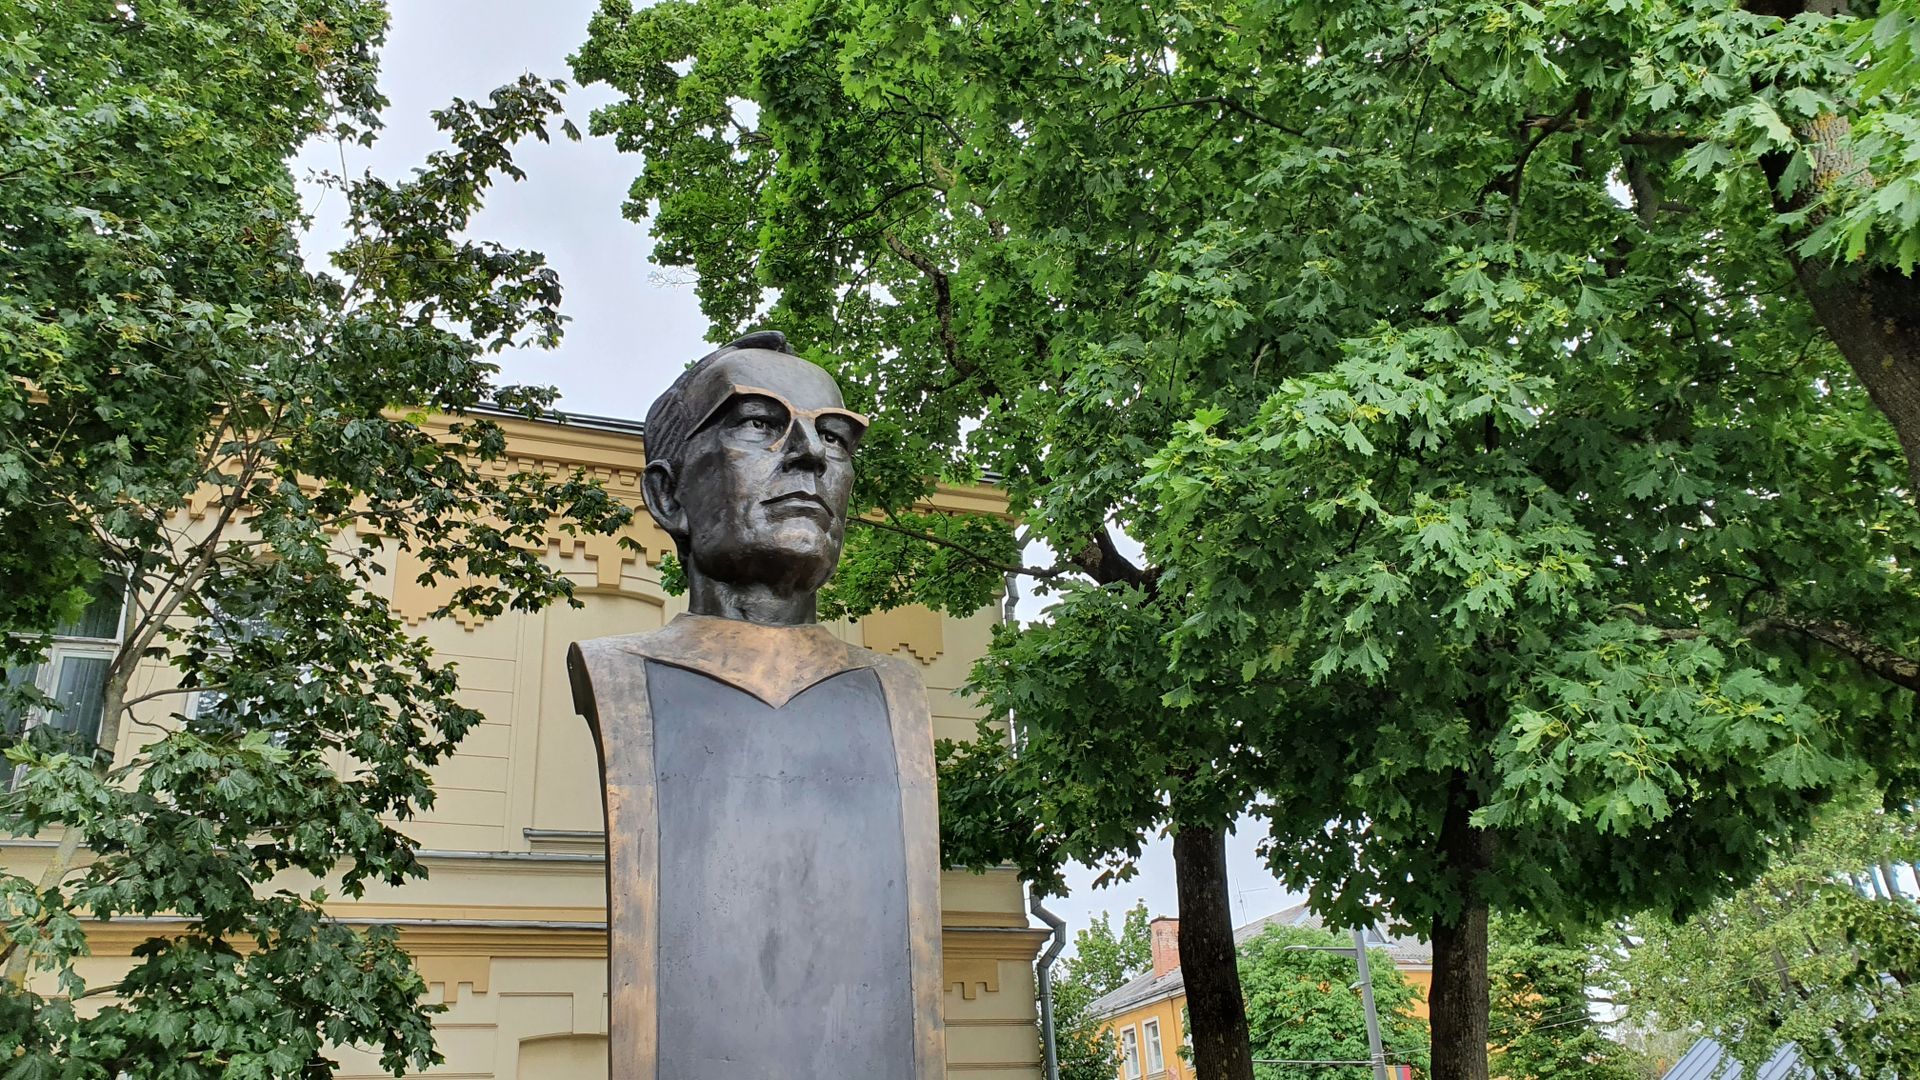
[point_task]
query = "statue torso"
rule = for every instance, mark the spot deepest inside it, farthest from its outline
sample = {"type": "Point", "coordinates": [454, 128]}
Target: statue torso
{"type": "Point", "coordinates": [772, 854]}
{"type": "Point", "coordinates": [782, 881]}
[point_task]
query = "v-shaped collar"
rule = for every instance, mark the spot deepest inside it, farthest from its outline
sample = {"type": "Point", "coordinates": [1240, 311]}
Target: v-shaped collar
{"type": "Point", "coordinates": [773, 663]}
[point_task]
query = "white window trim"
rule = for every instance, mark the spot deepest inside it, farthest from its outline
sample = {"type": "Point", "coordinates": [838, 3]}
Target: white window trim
{"type": "Point", "coordinates": [1156, 1053]}
{"type": "Point", "coordinates": [47, 673]}
{"type": "Point", "coordinates": [68, 647]}
{"type": "Point", "coordinates": [1130, 1053]}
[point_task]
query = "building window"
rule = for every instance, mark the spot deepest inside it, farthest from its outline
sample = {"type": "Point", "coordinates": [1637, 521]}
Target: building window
{"type": "Point", "coordinates": [215, 710]}
{"type": "Point", "coordinates": [74, 673]}
{"type": "Point", "coordinates": [1156, 1057]}
{"type": "Point", "coordinates": [1130, 1052]}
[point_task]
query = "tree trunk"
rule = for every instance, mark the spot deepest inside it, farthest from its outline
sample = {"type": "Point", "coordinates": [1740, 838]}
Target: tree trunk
{"type": "Point", "coordinates": [1216, 1013]}
{"type": "Point", "coordinates": [1872, 313]}
{"type": "Point", "coordinates": [1873, 317]}
{"type": "Point", "coordinates": [1459, 999]}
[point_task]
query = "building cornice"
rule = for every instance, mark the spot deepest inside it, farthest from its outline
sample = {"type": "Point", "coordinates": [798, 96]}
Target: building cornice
{"type": "Point", "coordinates": [508, 937]}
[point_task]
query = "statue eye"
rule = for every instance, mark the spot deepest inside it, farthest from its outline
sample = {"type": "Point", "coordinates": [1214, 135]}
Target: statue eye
{"type": "Point", "coordinates": [759, 420]}
{"type": "Point", "coordinates": [833, 437]}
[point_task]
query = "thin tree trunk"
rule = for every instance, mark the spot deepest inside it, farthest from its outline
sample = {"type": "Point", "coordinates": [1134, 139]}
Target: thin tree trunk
{"type": "Point", "coordinates": [1216, 1013]}
{"type": "Point", "coordinates": [1459, 999]}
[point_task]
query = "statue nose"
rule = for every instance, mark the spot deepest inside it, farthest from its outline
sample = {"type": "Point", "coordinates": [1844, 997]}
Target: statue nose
{"type": "Point", "coordinates": [804, 445]}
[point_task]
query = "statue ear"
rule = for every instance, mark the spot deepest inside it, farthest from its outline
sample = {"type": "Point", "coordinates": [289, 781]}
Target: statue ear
{"type": "Point", "coordinates": [659, 487]}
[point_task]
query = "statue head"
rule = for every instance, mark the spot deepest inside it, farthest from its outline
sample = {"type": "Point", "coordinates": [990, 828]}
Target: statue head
{"type": "Point", "coordinates": [749, 467]}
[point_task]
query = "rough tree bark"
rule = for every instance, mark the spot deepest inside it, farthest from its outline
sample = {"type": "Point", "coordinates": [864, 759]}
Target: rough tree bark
{"type": "Point", "coordinates": [1216, 1013]}
{"type": "Point", "coordinates": [1873, 316]}
{"type": "Point", "coordinates": [1459, 997]}
{"type": "Point", "coordinates": [1872, 313]}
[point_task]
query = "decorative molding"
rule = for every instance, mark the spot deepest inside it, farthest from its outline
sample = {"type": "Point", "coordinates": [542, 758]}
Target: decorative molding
{"type": "Point", "coordinates": [495, 938]}
{"type": "Point", "coordinates": [990, 943]}
{"type": "Point", "coordinates": [957, 918]}
{"type": "Point", "coordinates": [469, 914]}
{"type": "Point", "coordinates": [450, 971]}
{"type": "Point", "coordinates": [610, 554]}
{"type": "Point", "coordinates": [590, 841]}
{"type": "Point", "coordinates": [970, 975]}
{"type": "Point", "coordinates": [919, 630]}
{"type": "Point", "coordinates": [584, 941]}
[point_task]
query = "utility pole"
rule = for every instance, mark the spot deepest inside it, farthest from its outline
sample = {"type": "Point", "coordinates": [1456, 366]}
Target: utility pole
{"type": "Point", "coordinates": [1376, 1053]}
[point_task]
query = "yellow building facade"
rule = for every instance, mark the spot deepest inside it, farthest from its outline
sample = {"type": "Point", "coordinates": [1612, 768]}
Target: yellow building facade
{"type": "Point", "coordinates": [1147, 1015]}
{"type": "Point", "coordinates": [509, 927]}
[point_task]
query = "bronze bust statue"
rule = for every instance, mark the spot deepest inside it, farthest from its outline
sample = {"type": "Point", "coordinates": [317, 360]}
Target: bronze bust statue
{"type": "Point", "coordinates": [772, 833]}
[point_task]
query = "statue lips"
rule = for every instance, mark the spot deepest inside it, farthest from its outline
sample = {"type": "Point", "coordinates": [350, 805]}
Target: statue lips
{"type": "Point", "coordinates": [801, 503]}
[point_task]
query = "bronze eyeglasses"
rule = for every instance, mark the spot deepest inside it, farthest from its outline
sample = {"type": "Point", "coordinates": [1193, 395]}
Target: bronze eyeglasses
{"type": "Point", "coordinates": [856, 422]}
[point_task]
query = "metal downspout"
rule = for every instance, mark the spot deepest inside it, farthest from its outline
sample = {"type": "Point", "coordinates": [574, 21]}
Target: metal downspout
{"type": "Point", "coordinates": [1043, 968]}
{"type": "Point", "coordinates": [1046, 984]}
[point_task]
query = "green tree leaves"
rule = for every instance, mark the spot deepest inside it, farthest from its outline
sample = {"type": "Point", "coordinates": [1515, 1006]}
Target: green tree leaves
{"type": "Point", "coordinates": [1302, 1005]}
{"type": "Point", "coordinates": [1809, 953]}
{"type": "Point", "coordinates": [247, 444]}
{"type": "Point", "coordinates": [1501, 448]}
{"type": "Point", "coordinates": [1546, 988]}
{"type": "Point", "coordinates": [1102, 962]}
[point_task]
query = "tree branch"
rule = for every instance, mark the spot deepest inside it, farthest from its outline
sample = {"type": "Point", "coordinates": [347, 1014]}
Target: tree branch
{"type": "Point", "coordinates": [1102, 561]}
{"type": "Point", "coordinates": [875, 210]}
{"type": "Point", "coordinates": [943, 542]}
{"type": "Point", "coordinates": [1543, 129]}
{"type": "Point", "coordinates": [1895, 667]}
{"type": "Point", "coordinates": [129, 703]}
{"type": "Point", "coordinates": [1889, 664]}
{"type": "Point", "coordinates": [942, 301]}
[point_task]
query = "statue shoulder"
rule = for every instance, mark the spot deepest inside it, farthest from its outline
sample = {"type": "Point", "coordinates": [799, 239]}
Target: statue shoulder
{"type": "Point", "coordinates": [641, 644]}
{"type": "Point", "coordinates": [902, 679]}
{"type": "Point", "coordinates": [601, 668]}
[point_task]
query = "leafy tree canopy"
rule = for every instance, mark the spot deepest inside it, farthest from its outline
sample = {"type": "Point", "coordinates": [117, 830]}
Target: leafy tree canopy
{"type": "Point", "coordinates": [193, 420]}
{"type": "Point", "coordinates": [1478, 376]}
{"type": "Point", "coordinates": [1810, 953]}
{"type": "Point", "coordinates": [1303, 1005]}
{"type": "Point", "coordinates": [1102, 962]}
{"type": "Point", "coordinates": [1546, 988]}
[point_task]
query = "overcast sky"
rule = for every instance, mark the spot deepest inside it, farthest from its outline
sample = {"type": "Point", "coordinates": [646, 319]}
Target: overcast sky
{"type": "Point", "coordinates": [632, 329]}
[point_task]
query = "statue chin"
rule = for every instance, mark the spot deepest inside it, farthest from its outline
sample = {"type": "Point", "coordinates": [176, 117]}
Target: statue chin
{"type": "Point", "coordinates": [795, 562]}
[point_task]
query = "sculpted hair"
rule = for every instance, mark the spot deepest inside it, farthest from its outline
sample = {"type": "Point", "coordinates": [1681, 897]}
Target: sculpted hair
{"type": "Point", "coordinates": [670, 422]}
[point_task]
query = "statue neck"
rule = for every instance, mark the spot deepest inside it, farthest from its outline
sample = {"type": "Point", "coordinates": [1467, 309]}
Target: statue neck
{"type": "Point", "coordinates": [754, 602]}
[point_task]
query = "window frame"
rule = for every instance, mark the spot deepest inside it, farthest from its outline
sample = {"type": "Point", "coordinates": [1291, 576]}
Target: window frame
{"type": "Point", "coordinates": [1156, 1054]}
{"type": "Point", "coordinates": [64, 648]}
{"type": "Point", "coordinates": [1130, 1053]}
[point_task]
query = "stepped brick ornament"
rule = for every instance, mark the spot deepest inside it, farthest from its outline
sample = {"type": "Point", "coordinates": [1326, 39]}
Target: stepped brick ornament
{"type": "Point", "coordinates": [772, 831]}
